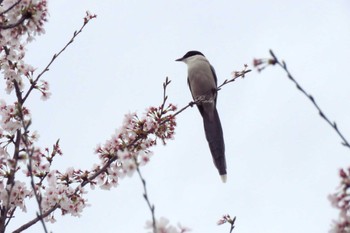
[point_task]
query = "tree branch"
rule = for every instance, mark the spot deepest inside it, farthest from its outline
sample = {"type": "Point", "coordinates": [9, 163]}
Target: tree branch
{"type": "Point", "coordinates": [41, 215]}
{"type": "Point", "coordinates": [333, 124]}
{"type": "Point", "coordinates": [10, 8]}
{"type": "Point", "coordinates": [34, 83]}
{"type": "Point", "coordinates": [145, 195]}
{"type": "Point", "coordinates": [26, 15]}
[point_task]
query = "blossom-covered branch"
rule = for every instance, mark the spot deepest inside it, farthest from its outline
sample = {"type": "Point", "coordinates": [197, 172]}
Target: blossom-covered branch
{"type": "Point", "coordinates": [15, 134]}
{"type": "Point", "coordinates": [341, 201]}
{"type": "Point", "coordinates": [19, 22]}
{"type": "Point", "coordinates": [53, 190]}
{"type": "Point", "coordinates": [28, 11]}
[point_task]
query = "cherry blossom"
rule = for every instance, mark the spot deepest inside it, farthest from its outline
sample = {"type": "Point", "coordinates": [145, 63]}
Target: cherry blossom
{"type": "Point", "coordinates": [341, 201]}
{"type": "Point", "coordinates": [64, 191]}
{"type": "Point", "coordinates": [89, 16]}
{"type": "Point", "coordinates": [18, 192]}
{"type": "Point", "coordinates": [130, 146]}
{"type": "Point", "coordinates": [163, 226]}
{"type": "Point", "coordinates": [18, 26]}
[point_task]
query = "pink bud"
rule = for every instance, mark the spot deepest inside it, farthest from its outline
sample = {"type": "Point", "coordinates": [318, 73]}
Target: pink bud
{"type": "Point", "coordinates": [342, 173]}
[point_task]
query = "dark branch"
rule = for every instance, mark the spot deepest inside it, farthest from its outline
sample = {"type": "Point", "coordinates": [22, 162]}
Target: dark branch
{"type": "Point", "coordinates": [35, 220]}
{"type": "Point", "coordinates": [283, 65]}
{"type": "Point", "coordinates": [232, 224]}
{"type": "Point", "coordinates": [26, 15]}
{"type": "Point", "coordinates": [10, 8]}
{"type": "Point", "coordinates": [145, 195]}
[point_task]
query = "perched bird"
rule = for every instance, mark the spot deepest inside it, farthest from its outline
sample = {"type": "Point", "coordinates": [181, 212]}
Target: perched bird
{"type": "Point", "coordinates": [203, 85]}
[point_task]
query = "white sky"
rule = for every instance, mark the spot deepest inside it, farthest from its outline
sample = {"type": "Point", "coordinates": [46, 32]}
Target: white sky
{"type": "Point", "coordinates": [282, 158]}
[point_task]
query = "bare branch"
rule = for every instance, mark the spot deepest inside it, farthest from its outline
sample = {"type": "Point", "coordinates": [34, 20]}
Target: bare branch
{"type": "Point", "coordinates": [263, 63]}
{"type": "Point", "coordinates": [145, 195]}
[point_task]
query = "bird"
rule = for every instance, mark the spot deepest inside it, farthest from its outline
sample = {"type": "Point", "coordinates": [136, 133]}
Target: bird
{"type": "Point", "coordinates": [202, 82]}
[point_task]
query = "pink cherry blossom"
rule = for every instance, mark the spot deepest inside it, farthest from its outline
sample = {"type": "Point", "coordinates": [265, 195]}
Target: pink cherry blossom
{"type": "Point", "coordinates": [163, 226]}
{"type": "Point", "coordinates": [18, 193]}
{"type": "Point", "coordinates": [341, 201]}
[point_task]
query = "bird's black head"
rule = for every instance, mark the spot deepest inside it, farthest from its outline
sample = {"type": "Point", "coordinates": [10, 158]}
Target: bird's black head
{"type": "Point", "coordinates": [190, 54]}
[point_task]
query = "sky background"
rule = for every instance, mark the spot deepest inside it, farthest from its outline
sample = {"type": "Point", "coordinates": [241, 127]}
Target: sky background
{"type": "Point", "coordinates": [282, 158]}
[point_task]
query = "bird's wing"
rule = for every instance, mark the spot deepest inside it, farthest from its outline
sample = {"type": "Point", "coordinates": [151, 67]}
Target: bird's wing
{"type": "Point", "coordinates": [215, 79]}
{"type": "Point", "coordinates": [200, 107]}
{"type": "Point", "coordinates": [189, 85]}
{"type": "Point", "coordinates": [214, 74]}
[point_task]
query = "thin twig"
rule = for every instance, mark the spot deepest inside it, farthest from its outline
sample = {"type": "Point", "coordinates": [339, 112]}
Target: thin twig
{"type": "Point", "coordinates": [145, 195]}
{"type": "Point", "coordinates": [12, 211]}
{"type": "Point", "coordinates": [165, 97]}
{"type": "Point", "coordinates": [333, 124]}
{"type": "Point", "coordinates": [37, 195]}
{"type": "Point", "coordinates": [232, 224]}
{"type": "Point", "coordinates": [34, 83]}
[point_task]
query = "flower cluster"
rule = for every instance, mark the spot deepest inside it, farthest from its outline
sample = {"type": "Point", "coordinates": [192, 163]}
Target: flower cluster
{"type": "Point", "coordinates": [129, 146]}
{"type": "Point", "coordinates": [340, 200]}
{"type": "Point", "coordinates": [262, 63]}
{"type": "Point", "coordinates": [241, 73]}
{"type": "Point", "coordinates": [10, 119]}
{"type": "Point", "coordinates": [23, 16]}
{"type": "Point", "coordinates": [89, 16]}
{"type": "Point", "coordinates": [68, 199]}
{"type": "Point", "coordinates": [18, 192]}
{"type": "Point", "coordinates": [55, 188]}
{"type": "Point", "coordinates": [163, 226]}
{"type": "Point", "coordinates": [20, 21]}
{"type": "Point", "coordinates": [226, 218]}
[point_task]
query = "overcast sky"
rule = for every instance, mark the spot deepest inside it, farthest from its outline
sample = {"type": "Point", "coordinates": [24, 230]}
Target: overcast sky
{"type": "Point", "coordinates": [282, 158]}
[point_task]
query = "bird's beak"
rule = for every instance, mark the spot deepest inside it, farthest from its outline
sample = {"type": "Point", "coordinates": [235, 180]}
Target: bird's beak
{"type": "Point", "coordinates": [180, 59]}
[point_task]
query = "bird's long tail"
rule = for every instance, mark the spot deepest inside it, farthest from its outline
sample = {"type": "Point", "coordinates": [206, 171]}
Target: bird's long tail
{"type": "Point", "coordinates": [215, 138]}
